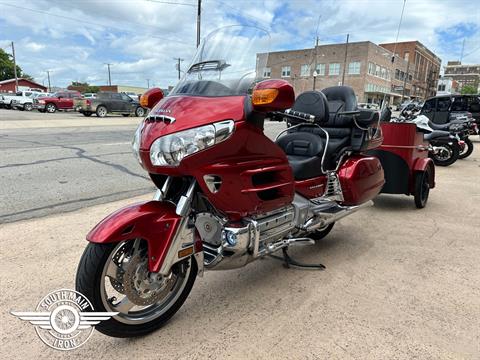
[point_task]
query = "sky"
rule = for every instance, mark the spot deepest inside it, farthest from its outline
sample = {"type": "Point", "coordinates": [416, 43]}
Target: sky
{"type": "Point", "coordinates": [74, 39]}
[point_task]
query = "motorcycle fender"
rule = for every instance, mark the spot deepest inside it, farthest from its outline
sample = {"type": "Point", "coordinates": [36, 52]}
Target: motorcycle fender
{"type": "Point", "coordinates": [154, 221]}
{"type": "Point", "coordinates": [424, 165]}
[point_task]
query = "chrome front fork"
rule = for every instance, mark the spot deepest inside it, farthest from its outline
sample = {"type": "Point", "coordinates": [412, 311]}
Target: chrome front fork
{"type": "Point", "coordinates": [183, 244]}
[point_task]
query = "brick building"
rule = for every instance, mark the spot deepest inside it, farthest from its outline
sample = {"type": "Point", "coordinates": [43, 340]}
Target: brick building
{"type": "Point", "coordinates": [23, 84]}
{"type": "Point", "coordinates": [464, 74]}
{"type": "Point", "coordinates": [423, 65]}
{"type": "Point", "coordinates": [364, 66]}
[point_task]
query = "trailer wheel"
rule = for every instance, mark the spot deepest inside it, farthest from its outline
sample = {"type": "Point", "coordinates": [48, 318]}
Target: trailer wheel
{"type": "Point", "coordinates": [422, 188]}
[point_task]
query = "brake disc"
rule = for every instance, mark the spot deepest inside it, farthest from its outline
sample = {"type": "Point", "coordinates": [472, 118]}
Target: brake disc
{"type": "Point", "coordinates": [117, 283]}
{"type": "Point", "coordinates": [142, 287]}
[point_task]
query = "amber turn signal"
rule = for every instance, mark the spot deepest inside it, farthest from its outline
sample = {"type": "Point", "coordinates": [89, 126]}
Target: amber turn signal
{"type": "Point", "coordinates": [264, 96]}
{"type": "Point", "coordinates": [144, 100]}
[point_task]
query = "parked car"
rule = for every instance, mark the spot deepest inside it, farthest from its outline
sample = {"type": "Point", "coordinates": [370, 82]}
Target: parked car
{"type": "Point", "coordinates": [24, 100]}
{"type": "Point", "coordinates": [440, 109]}
{"type": "Point", "coordinates": [62, 100]}
{"type": "Point", "coordinates": [89, 95]}
{"type": "Point", "coordinates": [108, 102]}
{"type": "Point", "coordinates": [2, 102]}
{"type": "Point", "coordinates": [134, 96]}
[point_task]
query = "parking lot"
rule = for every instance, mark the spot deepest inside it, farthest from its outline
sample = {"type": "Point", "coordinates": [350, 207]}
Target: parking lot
{"type": "Point", "coordinates": [399, 282]}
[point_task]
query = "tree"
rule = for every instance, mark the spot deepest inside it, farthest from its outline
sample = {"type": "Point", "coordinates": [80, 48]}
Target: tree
{"type": "Point", "coordinates": [468, 90]}
{"type": "Point", "coordinates": [6, 67]}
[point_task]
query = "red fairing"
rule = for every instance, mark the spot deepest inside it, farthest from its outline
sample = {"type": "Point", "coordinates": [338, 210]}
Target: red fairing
{"type": "Point", "coordinates": [254, 171]}
{"type": "Point", "coordinates": [361, 178]}
{"type": "Point", "coordinates": [311, 188]}
{"type": "Point", "coordinates": [190, 112]}
{"type": "Point", "coordinates": [154, 221]}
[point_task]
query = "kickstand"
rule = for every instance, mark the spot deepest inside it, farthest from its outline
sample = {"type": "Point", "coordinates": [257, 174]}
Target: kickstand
{"type": "Point", "coordinates": [289, 262]}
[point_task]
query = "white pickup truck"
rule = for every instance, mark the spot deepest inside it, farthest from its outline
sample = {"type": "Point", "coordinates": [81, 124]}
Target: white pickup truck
{"type": "Point", "coordinates": [22, 100]}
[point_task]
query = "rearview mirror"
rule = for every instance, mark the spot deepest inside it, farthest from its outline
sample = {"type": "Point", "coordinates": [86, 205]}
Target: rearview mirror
{"type": "Point", "coordinates": [272, 95]}
{"type": "Point", "coordinates": [151, 97]}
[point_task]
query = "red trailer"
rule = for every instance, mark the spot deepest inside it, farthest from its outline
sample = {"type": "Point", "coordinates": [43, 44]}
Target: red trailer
{"type": "Point", "coordinates": [404, 157]}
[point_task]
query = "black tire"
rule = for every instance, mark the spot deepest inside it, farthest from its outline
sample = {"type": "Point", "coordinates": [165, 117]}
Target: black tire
{"type": "Point", "coordinates": [422, 188]}
{"type": "Point", "coordinates": [125, 115]}
{"type": "Point", "coordinates": [88, 282]}
{"type": "Point", "coordinates": [42, 111]}
{"type": "Point", "coordinates": [139, 111]}
{"type": "Point", "coordinates": [101, 111]}
{"type": "Point", "coordinates": [50, 108]}
{"type": "Point", "coordinates": [87, 114]}
{"type": "Point", "coordinates": [468, 149]}
{"type": "Point", "coordinates": [454, 153]}
{"type": "Point", "coordinates": [321, 233]}
{"type": "Point", "coordinates": [28, 107]}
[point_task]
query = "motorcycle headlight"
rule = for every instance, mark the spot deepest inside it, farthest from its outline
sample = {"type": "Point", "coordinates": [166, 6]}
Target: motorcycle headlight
{"type": "Point", "coordinates": [170, 150]}
{"type": "Point", "coordinates": [136, 141]}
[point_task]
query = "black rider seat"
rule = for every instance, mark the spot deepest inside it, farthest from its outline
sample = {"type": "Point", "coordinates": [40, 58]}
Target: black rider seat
{"type": "Point", "coordinates": [436, 134]}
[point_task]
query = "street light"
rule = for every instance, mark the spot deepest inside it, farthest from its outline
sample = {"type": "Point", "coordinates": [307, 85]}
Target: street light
{"type": "Point", "coordinates": [315, 74]}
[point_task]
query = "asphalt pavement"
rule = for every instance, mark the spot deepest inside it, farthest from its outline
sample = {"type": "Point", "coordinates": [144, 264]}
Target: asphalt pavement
{"type": "Point", "coordinates": [52, 163]}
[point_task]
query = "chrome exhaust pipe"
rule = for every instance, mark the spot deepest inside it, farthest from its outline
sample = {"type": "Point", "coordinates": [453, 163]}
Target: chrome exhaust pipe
{"type": "Point", "coordinates": [328, 213]}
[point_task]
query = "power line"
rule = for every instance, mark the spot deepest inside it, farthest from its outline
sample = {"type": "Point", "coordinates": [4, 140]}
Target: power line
{"type": "Point", "coordinates": [94, 23]}
{"type": "Point", "coordinates": [171, 3]}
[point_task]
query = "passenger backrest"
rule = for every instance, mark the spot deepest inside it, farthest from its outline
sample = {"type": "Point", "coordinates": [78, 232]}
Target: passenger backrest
{"type": "Point", "coordinates": [313, 103]}
{"type": "Point", "coordinates": [340, 98]}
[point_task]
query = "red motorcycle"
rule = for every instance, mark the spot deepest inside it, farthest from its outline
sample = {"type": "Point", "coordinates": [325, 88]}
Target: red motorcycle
{"type": "Point", "coordinates": [227, 195]}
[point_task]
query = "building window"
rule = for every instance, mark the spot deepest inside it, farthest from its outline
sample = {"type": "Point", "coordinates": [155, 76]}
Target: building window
{"type": "Point", "coordinates": [406, 56]}
{"type": "Point", "coordinates": [354, 68]}
{"type": "Point", "coordinates": [267, 72]}
{"type": "Point", "coordinates": [286, 70]}
{"type": "Point", "coordinates": [441, 87]}
{"type": "Point", "coordinates": [334, 69]}
{"type": "Point", "coordinates": [378, 71]}
{"type": "Point", "coordinates": [305, 70]}
{"type": "Point", "coordinates": [371, 68]}
{"type": "Point", "coordinates": [320, 69]}
{"type": "Point", "coordinates": [384, 73]}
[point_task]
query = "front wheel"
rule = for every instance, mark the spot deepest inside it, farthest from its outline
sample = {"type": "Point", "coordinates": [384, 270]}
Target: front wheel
{"type": "Point", "coordinates": [467, 150]}
{"type": "Point", "coordinates": [115, 278]}
{"type": "Point", "coordinates": [446, 154]}
{"type": "Point", "coordinates": [87, 114]}
{"type": "Point", "coordinates": [28, 107]}
{"type": "Point", "coordinates": [51, 108]}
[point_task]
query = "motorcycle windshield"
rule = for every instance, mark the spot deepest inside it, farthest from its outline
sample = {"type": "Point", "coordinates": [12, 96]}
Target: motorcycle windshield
{"type": "Point", "coordinates": [225, 63]}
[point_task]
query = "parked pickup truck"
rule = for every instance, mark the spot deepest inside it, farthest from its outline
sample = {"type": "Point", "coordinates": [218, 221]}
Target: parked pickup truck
{"type": "Point", "coordinates": [108, 102]}
{"type": "Point", "coordinates": [62, 100]}
{"type": "Point", "coordinates": [22, 100]}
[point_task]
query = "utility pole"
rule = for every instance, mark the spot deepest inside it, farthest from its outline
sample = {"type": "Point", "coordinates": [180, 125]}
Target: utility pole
{"type": "Point", "coordinates": [48, 76]}
{"type": "Point", "coordinates": [109, 75]}
{"type": "Point", "coordinates": [199, 13]}
{"type": "Point", "coordinates": [178, 66]}
{"type": "Point", "coordinates": [15, 67]}
{"type": "Point", "coordinates": [148, 83]}
{"type": "Point", "coordinates": [345, 60]}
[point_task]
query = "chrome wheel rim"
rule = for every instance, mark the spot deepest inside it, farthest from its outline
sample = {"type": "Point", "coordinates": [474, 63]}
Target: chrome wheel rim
{"type": "Point", "coordinates": [102, 112]}
{"type": "Point", "coordinates": [140, 112]}
{"type": "Point", "coordinates": [50, 108]}
{"type": "Point", "coordinates": [128, 311]}
{"type": "Point", "coordinates": [444, 153]}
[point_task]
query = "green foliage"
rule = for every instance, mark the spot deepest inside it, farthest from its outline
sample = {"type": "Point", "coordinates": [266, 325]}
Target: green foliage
{"type": "Point", "coordinates": [6, 67]}
{"type": "Point", "coordinates": [92, 89]}
{"type": "Point", "coordinates": [468, 90]}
